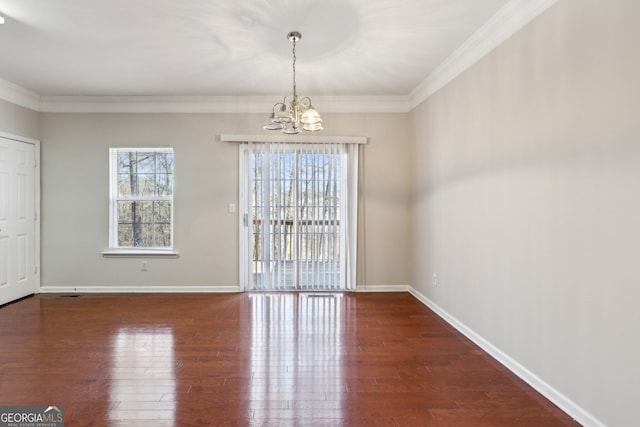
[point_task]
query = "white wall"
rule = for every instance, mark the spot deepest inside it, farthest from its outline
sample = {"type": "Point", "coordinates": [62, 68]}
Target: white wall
{"type": "Point", "coordinates": [75, 198]}
{"type": "Point", "coordinates": [527, 202]}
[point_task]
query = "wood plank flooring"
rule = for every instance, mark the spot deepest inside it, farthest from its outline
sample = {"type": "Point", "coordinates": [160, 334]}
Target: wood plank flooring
{"type": "Point", "coordinates": [255, 359]}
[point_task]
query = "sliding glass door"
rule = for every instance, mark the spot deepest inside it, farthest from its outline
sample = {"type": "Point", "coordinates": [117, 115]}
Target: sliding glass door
{"type": "Point", "coordinates": [297, 226]}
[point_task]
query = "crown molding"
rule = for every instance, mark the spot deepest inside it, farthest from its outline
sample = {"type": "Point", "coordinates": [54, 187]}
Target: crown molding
{"type": "Point", "coordinates": [514, 16]}
{"type": "Point", "coordinates": [507, 21]}
{"type": "Point", "coordinates": [155, 104]}
{"type": "Point", "coordinates": [362, 104]}
{"type": "Point", "coordinates": [215, 104]}
{"type": "Point", "coordinates": [18, 95]}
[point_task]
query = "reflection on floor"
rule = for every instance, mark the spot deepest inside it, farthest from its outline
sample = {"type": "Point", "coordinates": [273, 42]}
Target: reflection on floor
{"type": "Point", "coordinates": [142, 372]}
{"type": "Point", "coordinates": [296, 351]}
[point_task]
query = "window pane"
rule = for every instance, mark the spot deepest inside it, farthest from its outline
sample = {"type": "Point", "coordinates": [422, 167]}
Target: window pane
{"type": "Point", "coordinates": [164, 163]}
{"type": "Point", "coordinates": [124, 184]}
{"type": "Point", "coordinates": [146, 184]}
{"type": "Point", "coordinates": [134, 185]}
{"type": "Point", "coordinates": [145, 210]}
{"type": "Point", "coordinates": [125, 160]}
{"type": "Point", "coordinates": [145, 162]}
{"type": "Point", "coordinates": [146, 236]}
{"type": "Point", "coordinates": [163, 235]}
{"type": "Point", "coordinates": [163, 212]}
{"type": "Point", "coordinates": [125, 235]}
{"type": "Point", "coordinates": [164, 184]}
{"type": "Point", "coordinates": [125, 212]}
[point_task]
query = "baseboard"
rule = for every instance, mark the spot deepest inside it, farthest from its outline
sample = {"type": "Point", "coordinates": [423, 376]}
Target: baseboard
{"type": "Point", "coordinates": [102, 289]}
{"type": "Point", "coordinates": [105, 289]}
{"type": "Point", "coordinates": [383, 288]}
{"type": "Point", "coordinates": [563, 402]}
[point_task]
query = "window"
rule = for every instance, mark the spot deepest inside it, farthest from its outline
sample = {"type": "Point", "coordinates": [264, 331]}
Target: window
{"type": "Point", "coordinates": [141, 202]}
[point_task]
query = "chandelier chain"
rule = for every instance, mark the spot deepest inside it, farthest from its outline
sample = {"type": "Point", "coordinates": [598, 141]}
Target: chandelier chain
{"type": "Point", "coordinates": [295, 94]}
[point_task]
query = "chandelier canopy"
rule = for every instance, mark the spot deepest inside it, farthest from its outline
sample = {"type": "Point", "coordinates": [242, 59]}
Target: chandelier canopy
{"type": "Point", "coordinates": [294, 114]}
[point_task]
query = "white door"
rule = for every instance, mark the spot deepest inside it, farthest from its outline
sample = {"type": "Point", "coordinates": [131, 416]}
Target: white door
{"type": "Point", "coordinates": [17, 220]}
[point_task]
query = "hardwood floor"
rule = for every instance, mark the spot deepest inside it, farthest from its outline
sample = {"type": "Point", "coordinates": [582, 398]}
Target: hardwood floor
{"type": "Point", "coordinates": [283, 359]}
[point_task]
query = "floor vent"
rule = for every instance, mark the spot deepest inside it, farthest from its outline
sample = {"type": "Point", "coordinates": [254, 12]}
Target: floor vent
{"type": "Point", "coordinates": [321, 296]}
{"type": "Point", "coordinates": [69, 296]}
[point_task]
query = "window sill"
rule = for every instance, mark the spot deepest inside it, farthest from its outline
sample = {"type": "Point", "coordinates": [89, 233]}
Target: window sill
{"type": "Point", "coordinates": [139, 253]}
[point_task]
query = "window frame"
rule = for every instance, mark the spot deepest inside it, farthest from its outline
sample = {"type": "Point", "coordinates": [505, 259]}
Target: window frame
{"type": "Point", "coordinates": [115, 249]}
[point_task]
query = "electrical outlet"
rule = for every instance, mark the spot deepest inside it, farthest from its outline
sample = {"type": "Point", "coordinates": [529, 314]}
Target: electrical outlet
{"type": "Point", "coordinates": [434, 279]}
{"type": "Point", "coordinates": [143, 266]}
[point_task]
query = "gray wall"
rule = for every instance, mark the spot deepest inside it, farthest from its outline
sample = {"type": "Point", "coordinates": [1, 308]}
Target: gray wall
{"type": "Point", "coordinates": [19, 121]}
{"type": "Point", "coordinates": [75, 197]}
{"type": "Point", "coordinates": [527, 202]}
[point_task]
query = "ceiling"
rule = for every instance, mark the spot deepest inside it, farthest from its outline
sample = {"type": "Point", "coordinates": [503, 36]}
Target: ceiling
{"type": "Point", "coordinates": [231, 48]}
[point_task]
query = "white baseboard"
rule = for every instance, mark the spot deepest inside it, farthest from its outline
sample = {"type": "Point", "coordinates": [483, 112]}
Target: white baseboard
{"type": "Point", "coordinates": [383, 288]}
{"type": "Point", "coordinates": [105, 289]}
{"type": "Point", "coordinates": [563, 402]}
{"type": "Point", "coordinates": [108, 289]}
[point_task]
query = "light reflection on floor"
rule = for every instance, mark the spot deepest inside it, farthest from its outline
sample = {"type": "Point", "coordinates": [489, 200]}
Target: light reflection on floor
{"type": "Point", "coordinates": [142, 373]}
{"type": "Point", "coordinates": [296, 349]}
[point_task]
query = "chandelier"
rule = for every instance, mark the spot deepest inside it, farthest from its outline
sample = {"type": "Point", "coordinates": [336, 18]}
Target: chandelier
{"type": "Point", "coordinates": [293, 113]}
